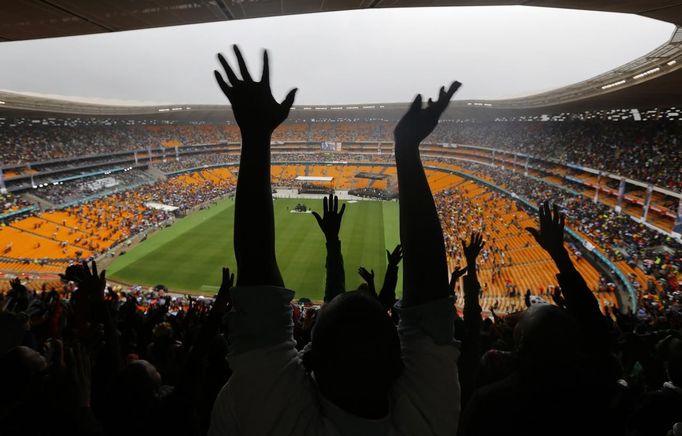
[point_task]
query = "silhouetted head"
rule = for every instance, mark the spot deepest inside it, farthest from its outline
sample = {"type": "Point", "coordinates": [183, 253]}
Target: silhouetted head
{"type": "Point", "coordinates": [354, 354]}
{"type": "Point", "coordinates": [138, 383]}
{"type": "Point", "coordinates": [133, 400]}
{"type": "Point", "coordinates": [546, 337]}
{"type": "Point", "coordinates": [21, 370]}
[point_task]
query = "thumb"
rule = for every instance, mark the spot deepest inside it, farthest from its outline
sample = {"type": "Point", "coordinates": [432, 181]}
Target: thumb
{"type": "Point", "coordinates": [534, 232]}
{"type": "Point", "coordinates": [318, 218]}
{"type": "Point", "coordinates": [416, 104]}
{"type": "Point", "coordinates": [289, 99]}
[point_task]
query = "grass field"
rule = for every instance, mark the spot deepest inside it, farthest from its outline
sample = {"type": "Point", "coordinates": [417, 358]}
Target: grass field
{"type": "Point", "coordinates": [188, 255]}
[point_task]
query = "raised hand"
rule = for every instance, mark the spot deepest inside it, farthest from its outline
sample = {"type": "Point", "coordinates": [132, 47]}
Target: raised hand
{"type": "Point", "coordinates": [252, 102]}
{"type": "Point", "coordinates": [330, 221]}
{"type": "Point", "coordinates": [454, 276]}
{"type": "Point", "coordinates": [89, 281]}
{"type": "Point", "coordinates": [368, 276]}
{"type": "Point", "coordinates": [395, 256]}
{"type": "Point", "coordinates": [472, 250]}
{"type": "Point", "coordinates": [551, 233]}
{"type": "Point", "coordinates": [15, 283]}
{"type": "Point", "coordinates": [419, 122]}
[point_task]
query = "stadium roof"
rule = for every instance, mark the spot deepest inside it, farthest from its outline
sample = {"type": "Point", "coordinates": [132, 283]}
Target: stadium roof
{"type": "Point", "coordinates": [31, 19]}
{"type": "Point", "coordinates": [654, 80]}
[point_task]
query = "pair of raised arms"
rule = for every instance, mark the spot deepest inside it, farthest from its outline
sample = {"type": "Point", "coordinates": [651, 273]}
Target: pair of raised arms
{"type": "Point", "coordinates": [258, 113]}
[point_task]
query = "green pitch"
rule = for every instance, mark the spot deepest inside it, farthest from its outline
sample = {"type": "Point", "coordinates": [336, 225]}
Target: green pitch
{"type": "Point", "coordinates": [188, 256]}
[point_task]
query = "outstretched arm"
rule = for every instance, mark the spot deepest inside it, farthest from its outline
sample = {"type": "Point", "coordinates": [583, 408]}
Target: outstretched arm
{"type": "Point", "coordinates": [426, 276]}
{"type": "Point", "coordinates": [577, 297]}
{"type": "Point", "coordinates": [258, 114]}
{"type": "Point", "coordinates": [330, 223]}
{"type": "Point", "coordinates": [470, 357]}
{"type": "Point", "coordinates": [427, 313]}
{"type": "Point", "coordinates": [387, 294]}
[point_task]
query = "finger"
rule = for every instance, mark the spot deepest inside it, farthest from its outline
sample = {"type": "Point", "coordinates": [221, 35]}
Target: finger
{"type": "Point", "coordinates": [325, 205]}
{"type": "Point", "coordinates": [94, 269]}
{"type": "Point", "coordinates": [562, 220]}
{"type": "Point", "coordinates": [343, 209]}
{"type": "Point", "coordinates": [318, 218]}
{"type": "Point", "coordinates": [453, 88]}
{"type": "Point", "coordinates": [444, 97]}
{"type": "Point", "coordinates": [416, 104]}
{"type": "Point", "coordinates": [265, 77]}
{"type": "Point", "coordinates": [242, 65]}
{"type": "Point", "coordinates": [555, 213]}
{"type": "Point", "coordinates": [103, 276]}
{"type": "Point", "coordinates": [429, 103]}
{"type": "Point", "coordinates": [223, 85]}
{"type": "Point", "coordinates": [336, 204]}
{"type": "Point", "coordinates": [289, 100]}
{"type": "Point", "coordinates": [543, 214]}
{"type": "Point", "coordinates": [231, 76]}
{"type": "Point", "coordinates": [372, 273]}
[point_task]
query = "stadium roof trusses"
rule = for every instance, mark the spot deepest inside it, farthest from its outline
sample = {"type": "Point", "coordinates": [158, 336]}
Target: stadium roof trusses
{"type": "Point", "coordinates": [654, 80]}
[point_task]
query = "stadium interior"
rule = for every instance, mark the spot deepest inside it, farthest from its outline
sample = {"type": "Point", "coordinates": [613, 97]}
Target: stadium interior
{"type": "Point", "coordinates": [84, 181]}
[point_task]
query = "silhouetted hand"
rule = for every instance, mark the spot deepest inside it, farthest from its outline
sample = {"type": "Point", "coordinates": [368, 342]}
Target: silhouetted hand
{"type": "Point", "coordinates": [90, 282]}
{"type": "Point", "coordinates": [252, 102]}
{"type": "Point", "coordinates": [454, 276]}
{"type": "Point", "coordinates": [222, 300]}
{"type": "Point", "coordinates": [16, 285]}
{"type": "Point", "coordinates": [418, 122]}
{"type": "Point", "coordinates": [474, 248]}
{"type": "Point", "coordinates": [330, 222]}
{"type": "Point", "coordinates": [551, 233]}
{"type": "Point", "coordinates": [396, 256]}
{"type": "Point", "coordinates": [368, 276]}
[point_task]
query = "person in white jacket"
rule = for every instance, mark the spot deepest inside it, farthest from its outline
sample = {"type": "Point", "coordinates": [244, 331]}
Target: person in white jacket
{"type": "Point", "coordinates": [359, 375]}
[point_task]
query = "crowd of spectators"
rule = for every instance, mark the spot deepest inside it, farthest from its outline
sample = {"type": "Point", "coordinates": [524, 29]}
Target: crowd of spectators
{"type": "Point", "coordinates": [379, 194]}
{"type": "Point", "coordinates": [195, 161]}
{"type": "Point", "coordinates": [619, 236]}
{"type": "Point", "coordinates": [11, 203]}
{"type": "Point", "coordinates": [90, 360]}
{"type": "Point", "coordinates": [65, 192]}
{"type": "Point", "coordinates": [643, 150]}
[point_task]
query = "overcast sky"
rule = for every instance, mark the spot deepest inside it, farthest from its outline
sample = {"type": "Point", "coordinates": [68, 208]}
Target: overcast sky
{"type": "Point", "coordinates": [367, 56]}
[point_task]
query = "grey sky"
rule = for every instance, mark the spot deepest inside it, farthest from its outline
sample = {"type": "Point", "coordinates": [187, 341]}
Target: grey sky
{"type": "Point", "coordinates": [376, 56]}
